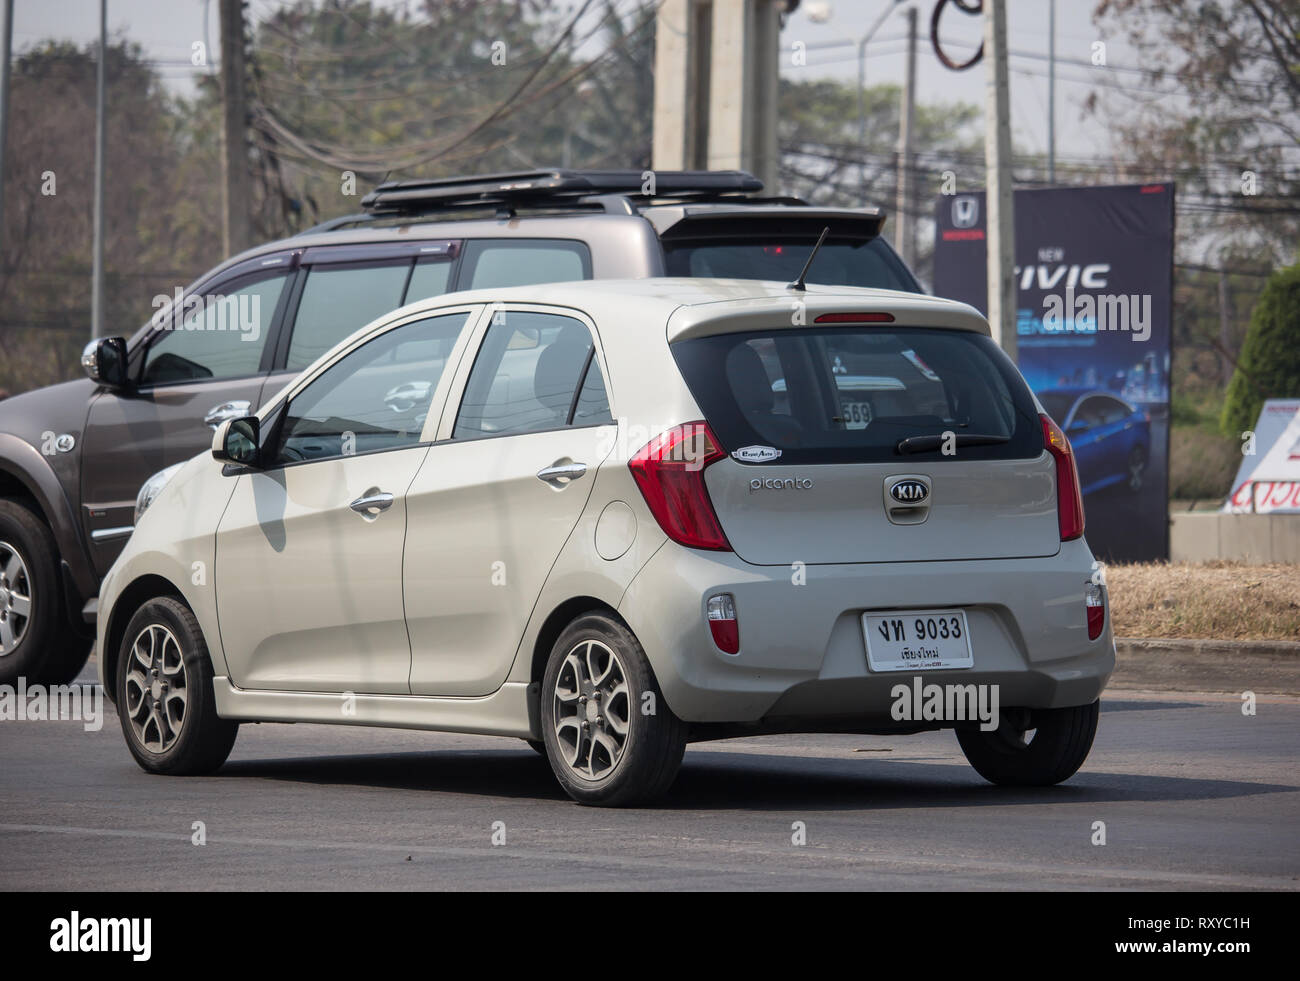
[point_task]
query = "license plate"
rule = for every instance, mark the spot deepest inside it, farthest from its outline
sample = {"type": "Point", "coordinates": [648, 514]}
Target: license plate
{"type": "Point", "coordinates": [917, 640]}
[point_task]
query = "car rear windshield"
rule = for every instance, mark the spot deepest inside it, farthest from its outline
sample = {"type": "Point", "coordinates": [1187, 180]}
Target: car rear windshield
{"type": "Point", "coordinates": [853, 394]}
{"type": "Point", "coordinates": [843, 263]}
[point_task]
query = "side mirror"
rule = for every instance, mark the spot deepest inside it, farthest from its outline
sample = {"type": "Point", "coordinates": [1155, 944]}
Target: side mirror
{"type": "Point", "coordinates": [104, 361]}
{"type": "Point", "coordinates": [236, 442]}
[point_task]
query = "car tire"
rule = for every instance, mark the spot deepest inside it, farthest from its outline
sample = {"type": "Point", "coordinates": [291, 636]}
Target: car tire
{"type": "Point", "coordinates": [1061, 740]}
{"type": "Point", "coordinates": [40, 644]}
{"type": "Point", "coordinates": [596, 682]}
{"type": "Point", "coordinates": [165, 701]}
{"type": "Point", "coordinates": [1136, 469]}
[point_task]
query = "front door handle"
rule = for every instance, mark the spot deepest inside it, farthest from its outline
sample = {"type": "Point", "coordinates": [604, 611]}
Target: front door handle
{"type": "Point", "coordinates": [560, 473]}
{"type": "Point", "coordinates": [227, 410]}
{"type": "Point", "coordinates": [372, 504]}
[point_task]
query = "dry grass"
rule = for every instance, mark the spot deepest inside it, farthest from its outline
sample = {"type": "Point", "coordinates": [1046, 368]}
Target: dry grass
{"type": "Point", "coordinates": [1211, 600]}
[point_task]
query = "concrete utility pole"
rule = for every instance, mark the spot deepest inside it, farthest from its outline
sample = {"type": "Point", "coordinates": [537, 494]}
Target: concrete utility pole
{"type": "Point", "coordinates": [236, 230]}
{"type": "Point", "coordinates": [997, 164]}
{"type": "Point", "coordinates": [716, 71]}
{"type": "Point", "coordinates": [8, 42]}
{"type": "Point", "coordinates": [97, 250]}
{"type": "Point", "coordinates": [905, 220]}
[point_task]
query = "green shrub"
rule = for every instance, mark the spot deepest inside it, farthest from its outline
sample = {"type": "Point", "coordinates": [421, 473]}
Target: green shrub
{"type": "Point", "coordinates": [1269, 365]}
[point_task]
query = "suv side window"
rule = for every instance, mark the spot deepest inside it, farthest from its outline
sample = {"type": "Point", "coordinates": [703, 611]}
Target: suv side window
{"type": "Point", "coordinates": [375, 398]}
{"type": "Point", "coordinates": [492, 263]}
{"type": "Point", "coordinates": [339, 299]}
{"type": "Point", "coordinates": [526, 376]}
{"type": "Point", "coordinates": [221, 335]}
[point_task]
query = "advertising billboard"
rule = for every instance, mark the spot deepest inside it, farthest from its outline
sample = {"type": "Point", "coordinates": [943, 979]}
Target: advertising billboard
{"type": "Point", "coordinates": [1094, 279]}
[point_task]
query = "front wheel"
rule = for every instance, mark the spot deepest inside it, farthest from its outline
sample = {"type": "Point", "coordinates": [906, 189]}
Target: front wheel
{"type": "Point", "coordinates": [610, 737]}
{"type": "Point", "coordinates": [164, 693]}
{"type": "Point", "coordinates": [1032, 747]}
{"type": "Point", "coordinates": [36, 640]}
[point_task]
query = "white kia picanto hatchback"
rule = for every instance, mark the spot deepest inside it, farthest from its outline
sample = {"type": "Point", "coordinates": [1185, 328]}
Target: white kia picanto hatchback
{"type": "Point", "coordinates": [614, 517]}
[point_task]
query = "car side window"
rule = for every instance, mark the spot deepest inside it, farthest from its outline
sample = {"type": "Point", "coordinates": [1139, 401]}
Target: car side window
{"type": "Point", "coordinates": [489, 264]}
{"type": "Point", "coordinates": [592, 408]}
{"type": "Point", "coordinates": [218, 335]}
{"type": "Point", "coordinates": [526, 375]}
{"type": "Point", "coordinates": [339, 299]}
{"type": "Point", "coordinates": [1113, 411]}
{"type": "Point", "coordinates": [377, 397]}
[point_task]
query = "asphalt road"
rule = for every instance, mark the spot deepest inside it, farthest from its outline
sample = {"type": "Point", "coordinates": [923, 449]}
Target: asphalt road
{"type": "Point", "coordinates": [1193, 794]}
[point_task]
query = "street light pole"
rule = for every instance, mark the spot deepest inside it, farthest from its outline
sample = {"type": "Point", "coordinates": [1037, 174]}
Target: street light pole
{"type": "Point", "coordinates": [97, 253]}
{"type": "Point", "coordinates": [862, 87]}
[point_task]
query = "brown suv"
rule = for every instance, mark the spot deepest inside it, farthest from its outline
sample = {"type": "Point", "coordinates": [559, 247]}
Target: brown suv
{"type": "Point", "coordinates": [73, 457]}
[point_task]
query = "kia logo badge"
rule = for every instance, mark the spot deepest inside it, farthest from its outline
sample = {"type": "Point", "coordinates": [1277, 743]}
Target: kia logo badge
{"type": "Point", "coordinates": [911, 492]}
{"type": "Point", "coordinates": [965, 211]}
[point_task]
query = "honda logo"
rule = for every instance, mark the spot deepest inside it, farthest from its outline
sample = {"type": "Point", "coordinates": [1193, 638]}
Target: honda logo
{"type": "Point", "coordinates": [965, 211]}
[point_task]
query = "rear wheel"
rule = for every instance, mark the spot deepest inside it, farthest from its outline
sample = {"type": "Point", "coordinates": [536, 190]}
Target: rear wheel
{"type": "Point", "coordinates": [1032, 747]}
{"type": "Point", "coordinates": [36, 640]}
{"type": "Point", "coordinates": [164, 693]}
{"type": "Point", "coordinates": [610, 737]}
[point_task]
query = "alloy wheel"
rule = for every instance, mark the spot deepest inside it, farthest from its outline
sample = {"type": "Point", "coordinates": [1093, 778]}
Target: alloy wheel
{"type": "Point", "coordinates": [15, 598]}
{"type": "Point", "coordinates": [156, 688]}
{"type": "Point", "coordinates": [592, 705]}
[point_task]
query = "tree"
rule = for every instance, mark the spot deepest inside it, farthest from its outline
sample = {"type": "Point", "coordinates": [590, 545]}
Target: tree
{"type": "Point", "coordinates": [159, 230]}
{"type": "Point", "coordinates": [1269, 366]}
{"type": "Point", "coordinates": [822, 161]}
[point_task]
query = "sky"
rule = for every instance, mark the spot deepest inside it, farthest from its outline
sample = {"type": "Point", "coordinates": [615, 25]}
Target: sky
{"type": "Point", "coordinates": [167, 29]}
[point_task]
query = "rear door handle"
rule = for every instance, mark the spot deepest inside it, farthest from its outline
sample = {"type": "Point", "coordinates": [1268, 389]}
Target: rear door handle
{"type": "Point", "coordinates": [227, 410]}
{"type": "Point", "coordinates": [372, 504]}
{"type": "Point", "coordinates": [558, 474]}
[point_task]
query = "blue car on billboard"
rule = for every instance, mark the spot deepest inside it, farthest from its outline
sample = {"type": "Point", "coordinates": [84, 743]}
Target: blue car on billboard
{"type": "Point", "coordinates": [1110, 437]}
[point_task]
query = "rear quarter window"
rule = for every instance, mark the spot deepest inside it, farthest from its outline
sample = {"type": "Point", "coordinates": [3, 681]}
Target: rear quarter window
{"type": "Point", "coordinates": [853, 394]}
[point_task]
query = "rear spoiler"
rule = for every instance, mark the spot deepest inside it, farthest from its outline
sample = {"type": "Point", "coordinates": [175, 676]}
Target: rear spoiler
{"type": "Point", "coordinates": [680, 223]}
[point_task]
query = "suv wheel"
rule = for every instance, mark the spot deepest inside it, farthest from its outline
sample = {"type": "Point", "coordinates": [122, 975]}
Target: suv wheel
{"type": "Point", "coordinates": [1032, 748]}
{"type": "Point", "coordinates": [164, 693]}
{"type": "Point", "coordinates": [604, 749]}
{"type": "Point", "coordinates": [36, 640]}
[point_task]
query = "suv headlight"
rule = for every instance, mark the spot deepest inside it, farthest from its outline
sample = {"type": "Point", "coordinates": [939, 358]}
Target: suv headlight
{"type": "Point", "coordinates": [152, 488]}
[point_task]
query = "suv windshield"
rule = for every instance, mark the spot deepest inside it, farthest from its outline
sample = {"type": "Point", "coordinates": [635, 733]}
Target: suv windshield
{"type": "Point", "coordinates": [864, 263]}
{"type": "Point", "coordinates": [851, 395]}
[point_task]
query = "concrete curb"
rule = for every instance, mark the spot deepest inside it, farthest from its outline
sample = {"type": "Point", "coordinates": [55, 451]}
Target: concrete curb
{"type": "Point", "coordinates": [1169, 664]}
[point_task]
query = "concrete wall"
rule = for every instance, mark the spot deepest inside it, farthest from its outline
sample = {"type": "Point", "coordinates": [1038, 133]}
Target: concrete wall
{"type": "Point", "coordinates": [1195, 536]}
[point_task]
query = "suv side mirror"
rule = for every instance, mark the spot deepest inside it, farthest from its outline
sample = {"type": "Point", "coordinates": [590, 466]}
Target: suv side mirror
{"type": "Point", "coordinates": [104, 361]}
{"type": "Point", "coordinates": [236, 442]}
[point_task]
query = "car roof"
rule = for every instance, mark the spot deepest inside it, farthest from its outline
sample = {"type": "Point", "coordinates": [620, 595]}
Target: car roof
{"type": "Point", "coordinates": [694, 306]}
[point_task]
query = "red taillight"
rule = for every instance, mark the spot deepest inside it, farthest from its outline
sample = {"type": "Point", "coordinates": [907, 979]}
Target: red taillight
{"type": "Point", "coordinates": [721, 613]}
{"type": "Point", "coordinates": [875, 317]}
{"type": "Point", "coordinates": [1095, 602]}
{"type": "Point", "coordinates": [1069, 499]}
{"type": "Point", "coordinates": [670, 472]}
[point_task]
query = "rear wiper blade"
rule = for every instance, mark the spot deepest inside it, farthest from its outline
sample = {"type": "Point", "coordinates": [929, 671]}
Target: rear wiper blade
{"type": "Point", "coordinates": [924, 444]}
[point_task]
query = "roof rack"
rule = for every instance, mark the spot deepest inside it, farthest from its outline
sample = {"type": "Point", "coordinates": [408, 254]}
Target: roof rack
{"type": "Point", "coordinates": [538, 186]}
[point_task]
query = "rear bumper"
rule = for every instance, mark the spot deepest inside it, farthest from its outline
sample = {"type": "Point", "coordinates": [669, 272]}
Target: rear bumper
{"type": "Point", "coordinates": [802, 653]}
